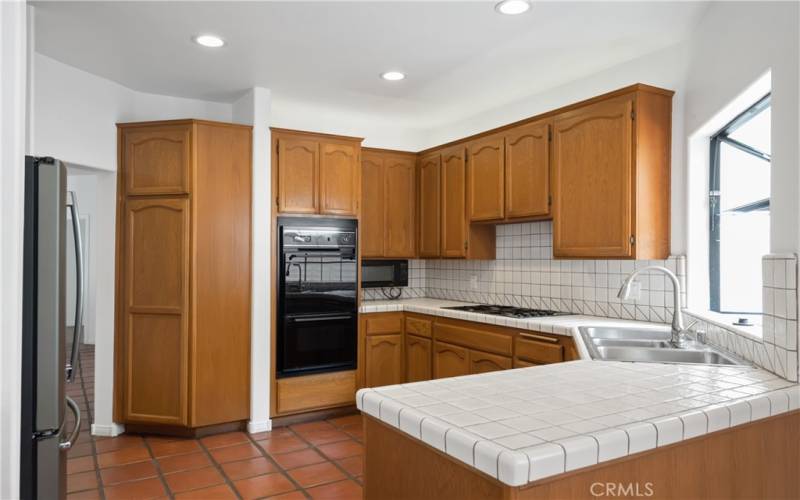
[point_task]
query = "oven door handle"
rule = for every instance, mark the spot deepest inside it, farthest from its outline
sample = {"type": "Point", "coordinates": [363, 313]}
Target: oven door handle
{"type": "Point", "coordinates": [323, 318]}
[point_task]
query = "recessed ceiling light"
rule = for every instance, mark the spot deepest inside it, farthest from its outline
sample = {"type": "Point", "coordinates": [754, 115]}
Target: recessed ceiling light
{"type": "Point", "coordinates": [512, 7]}
{"type": "Point", "coordinates": [393, 76]}
{"type": "Point", "coordinates": [212, 41]}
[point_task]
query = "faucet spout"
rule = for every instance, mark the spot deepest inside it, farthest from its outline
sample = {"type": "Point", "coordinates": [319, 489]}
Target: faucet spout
{"type": "Point", "coordinates": [677, 316]}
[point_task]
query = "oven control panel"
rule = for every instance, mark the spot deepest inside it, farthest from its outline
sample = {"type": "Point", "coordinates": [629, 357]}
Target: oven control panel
{"type": "Point", "coordinates": [318, 237]}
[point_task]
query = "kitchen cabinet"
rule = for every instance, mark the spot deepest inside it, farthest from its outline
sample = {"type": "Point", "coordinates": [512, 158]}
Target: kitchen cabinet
{"type": "Point", "coordinates": [449, 360]}
{"type": "Point", "coordinates": [611, 174]}
{"type": "Point", "coordinates": [418, 358]}
{"type": "Point", "coordinates": [384, 360]}
{"type": "Point", "coordinates": [316, 173]}
{"type": "Point", "coordinates": [486, 179]}
{"type": "Point", "coordinates": [183, 274]}
{"type": "Point", "coordinates": [483, 362]}
{"type": "Point", "coordinates": [454, 221]}
{"type": "Point", "coordinates": [388, 194]}
{"type": "Point", "coordinates": [430, 205]}
{"type": "Point", "coordinates": [527, 171]}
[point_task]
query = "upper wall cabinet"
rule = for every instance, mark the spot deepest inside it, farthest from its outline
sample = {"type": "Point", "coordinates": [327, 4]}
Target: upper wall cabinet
{"type": "Point", "coordinates": [316, 173]}
{"type": "Point", "coordinates": [157, 160]}
{"type": "Point", "coordinates": [611, 164]}
{"type": "Point", "coordinates": [486, 179]}
{"type": "Point", "coordinates": [430, 205]}
{"type": "Point", "coordinates": [527, 171]}
{"type": "Point", "coordinates": [389, 199]}
{"type": "Point", "coordinates": [454, 222]}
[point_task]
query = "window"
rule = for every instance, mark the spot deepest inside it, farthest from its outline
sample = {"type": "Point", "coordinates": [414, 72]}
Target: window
{"type": "Point", "coordinates": [739, 210]}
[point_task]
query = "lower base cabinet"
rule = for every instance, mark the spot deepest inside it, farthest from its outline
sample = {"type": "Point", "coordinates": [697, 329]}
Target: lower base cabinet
{"type": "Point", "coordinates": [384, 355]}
{"type": "Point", "coordinates": [418, 358]}
{"type": "Point", "coordinates": [482, 362]}
{"type": "Point", "coordinates": [449, 360]}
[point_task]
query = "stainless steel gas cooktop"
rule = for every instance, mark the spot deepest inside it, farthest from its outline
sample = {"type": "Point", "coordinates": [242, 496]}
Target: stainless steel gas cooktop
{"type": "Point", "coordinates": [507, 311]}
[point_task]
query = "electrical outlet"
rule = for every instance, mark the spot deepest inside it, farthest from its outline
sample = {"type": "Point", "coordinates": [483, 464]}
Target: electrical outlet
{"type": "Point", "coordinates": [636, 290]}
{"type": "Point", "coordinates": [473, 282]}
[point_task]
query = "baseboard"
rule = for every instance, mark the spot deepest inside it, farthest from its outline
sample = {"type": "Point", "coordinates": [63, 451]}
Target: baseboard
{"type": "Point", "coordinates": [111, 430]}
{"type": "Point", "coordinates": [254, 427]}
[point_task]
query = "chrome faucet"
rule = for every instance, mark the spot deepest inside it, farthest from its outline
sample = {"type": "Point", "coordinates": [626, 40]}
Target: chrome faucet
{"type": "Point", "coordinates": [678, 327]}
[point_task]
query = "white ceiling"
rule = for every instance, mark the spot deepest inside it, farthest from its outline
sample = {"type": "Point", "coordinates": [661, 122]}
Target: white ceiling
{"type": "Point", "coordinates": [460, 57]}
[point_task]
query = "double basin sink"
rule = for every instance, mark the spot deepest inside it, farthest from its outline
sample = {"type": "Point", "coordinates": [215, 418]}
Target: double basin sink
{"type": "Point", "coordinates": [649, 346]}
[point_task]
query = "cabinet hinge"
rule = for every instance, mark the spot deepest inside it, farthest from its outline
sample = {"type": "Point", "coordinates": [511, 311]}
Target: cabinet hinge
{"type": "Point", "coordinates": [633, 240]}
{"type": "Point", "coordinates": [549, 135]}
{"type": "Point", "coordinates": [549, 200]}
{"type": "Point", "coordinates": [466, 246]}
{"type": "Point", "coordinates": [633, 114]}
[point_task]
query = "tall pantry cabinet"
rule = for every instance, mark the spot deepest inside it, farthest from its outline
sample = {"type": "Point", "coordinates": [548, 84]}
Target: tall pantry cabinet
{"type": "Point", "coordinates": [182, 343]}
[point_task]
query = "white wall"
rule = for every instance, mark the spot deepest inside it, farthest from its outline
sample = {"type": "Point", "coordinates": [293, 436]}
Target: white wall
{"type": "Point", "coordinates": [13, 65]}
{"type": "Point", "coordinates": [74, 117]}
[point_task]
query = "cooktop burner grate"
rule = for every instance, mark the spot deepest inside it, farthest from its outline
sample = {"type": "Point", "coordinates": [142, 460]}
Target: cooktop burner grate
{"type": "Point", "coordinates": [507, 311]}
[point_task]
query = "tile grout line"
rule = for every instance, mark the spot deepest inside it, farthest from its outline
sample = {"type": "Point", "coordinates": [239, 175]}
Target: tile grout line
{"type": "Point", "coordinates": [285, 472]}
{"type": "Point", "coordinates": [218, 466]}
{"type": "Point", "coordinates": [333, 461]}
{"type": "Point", "coordinates": [157, 465]}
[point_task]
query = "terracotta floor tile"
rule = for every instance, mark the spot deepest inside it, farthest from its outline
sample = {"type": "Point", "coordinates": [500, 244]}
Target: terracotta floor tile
{"type": "Point", "coordinates": [178, 463]}
{"type": "Point", "coordinates": [219, 492]}
{"type": "Point", "coordinates": [81, 464]}
{"type": "Point", "coordinates": [324, 436]}
{"type": "Point", "coordinates": [346, 421]}
{"type": "Point", "coordinates": [174, 448]}
{"type": "Point", "coordinates": [283, 444]}
{"type": "Point", "coordinates": [357, 434]}
{"type": "Point", "coordinates": [342, 490]}
{"type": "Point", "coordinates": [280, 431]}
{"type": "Point", "coordinates": [235, 452]}
{"type": "Point", "coordinates": [80, 450]}
{"type": "Point", "coordinates": [263, 486]}
{"type": "Point", "coordinates": [130, 472]}
{"type": "Point", "coordinates": [226, 439]}
{"type": "Point", "coordinates": [300, 458]}
{"type": "Point", "coordinates": [84, 495]}
{"type": "Point", "coordinates": [313, 475]}
{"type": "Point", "coordinates": [117, 443]}
{"type": "Point", "coordinates": [248, 468]}
{"type": "Point", "coordinates": [122, 457]}
{"type": "Point", "coordinates": [193, 479]}
{"type": "Point", "coordinates": [353, 465]}
{"type": "Point", "coordinates": [294, 495]}
{"type": "Point", "coordinates": [82, 481]}
{"type": "Point", "coordinates": [151, 440]}
{"type": "Point", "coordinates": [139, 490]}
{"type": "Point", "coordinates": [342, 449]}
{"type": "Point", "coordinates": [319, 425]}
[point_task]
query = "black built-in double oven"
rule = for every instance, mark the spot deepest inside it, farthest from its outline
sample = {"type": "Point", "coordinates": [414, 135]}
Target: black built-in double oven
{"type": "Point", "coordinates": [317, 296]}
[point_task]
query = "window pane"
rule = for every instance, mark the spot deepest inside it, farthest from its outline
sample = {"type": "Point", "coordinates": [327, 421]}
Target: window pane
{"type": "Point", "coordinates": [744, 239]}
{"type": "Point", "coordinates": [744, 178]}
{"type": "Point", "coordinates": [756, 132]}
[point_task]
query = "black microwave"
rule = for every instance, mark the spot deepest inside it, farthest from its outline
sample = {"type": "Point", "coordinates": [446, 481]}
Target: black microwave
{"type": "Point", "coordinates": [384, 273]}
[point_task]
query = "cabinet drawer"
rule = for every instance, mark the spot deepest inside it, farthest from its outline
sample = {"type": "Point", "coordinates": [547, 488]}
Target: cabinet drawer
{"type": "Point", "coordinates": [418, 326]}
{"type": "Point", "coordinates": [496, 343]}
{"type": "Point", "coordinates": [482, 362]}
{"type": "Point", "coordinates": [312, 392]}
{"type": "Point", "coordinates": [381, 323]}
{"type": "Point", "coordinates": [540, 349]}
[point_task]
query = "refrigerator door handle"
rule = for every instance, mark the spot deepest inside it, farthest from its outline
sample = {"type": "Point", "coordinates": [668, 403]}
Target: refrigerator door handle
{"type": "Point", "coordinates": [77, 332]}
{"type": "Point", "coordinates": [76, 431]}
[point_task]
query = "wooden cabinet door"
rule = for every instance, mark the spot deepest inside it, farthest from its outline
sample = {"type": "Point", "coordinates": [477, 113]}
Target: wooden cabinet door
{"type": "Point", "coordinates": [373, 204]}
{"type": "Point", "coordinates": [384, 360]}
{"type": "Point", "coordinates": [400, 208]}
{"type": "Point", "coordinates": [528, 171]}
{"type": "Point", "coordinates": [483, 362]}
{"type": "Point", "coordinates": [430, 206]}
{"type": "Point", "coordinates": [418, 358]}
{"type": "Point", "coordinates": [449, 360]}
{"type": "Point", "coordinates": [298, 176]}
{"type": "Point", "coordinates": [485, 179]}
{"type": "Point", "coordinates": [593, 181]}
{"type": "Point", "coordinates": [156, 303]}
{"type": "Point", "coordinates": [157, 160]}
{"type": "Point", "coordinates": [339, 179]}
{"type": "Point", "coordinates": [454, 218]}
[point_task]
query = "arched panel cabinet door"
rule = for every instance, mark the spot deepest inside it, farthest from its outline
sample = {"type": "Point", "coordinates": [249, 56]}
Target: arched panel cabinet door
{"type": "Point", "coordinates": [528, 171]}
{"type": "Point", "coordinates": [156, 288]}
{"type": "Point", "coordinates": [486, 179]}
{"type": "Point", "coordinates": [157, 160]}
{"type": "Point", "coordinates": [372, 199]}
{"type": "Point", "coordinates": [418, 358]}
{"type": "Point", "coordinates": [298, 176]}
{"type": "Point", "coordinates": [340, 179]}
{"type": "Point", "coordinates": [430, 205]}
{"type": "Point", "coordinates": [454, 218]}
{"type": "Point", "coordinates": [384, 360]}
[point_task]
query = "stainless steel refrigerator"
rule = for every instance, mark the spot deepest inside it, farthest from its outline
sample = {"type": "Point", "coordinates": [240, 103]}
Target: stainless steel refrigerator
{"type": "Point", "coordinates": [45, 364]}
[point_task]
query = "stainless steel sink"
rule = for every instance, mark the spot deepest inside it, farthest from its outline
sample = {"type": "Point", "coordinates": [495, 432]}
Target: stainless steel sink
{"type": "Point", "coordinates": [649, 346]}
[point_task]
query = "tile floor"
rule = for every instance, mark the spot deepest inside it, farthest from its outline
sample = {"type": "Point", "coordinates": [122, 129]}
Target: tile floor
{"type": "Point", "coordinates": [322, 459]}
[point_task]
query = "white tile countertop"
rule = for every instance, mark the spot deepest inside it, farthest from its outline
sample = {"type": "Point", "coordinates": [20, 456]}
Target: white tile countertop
{"type": "Point", "coordinates": [526, 424]}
